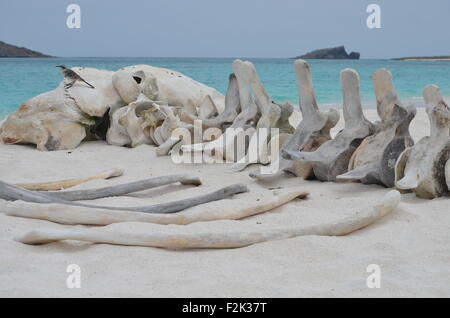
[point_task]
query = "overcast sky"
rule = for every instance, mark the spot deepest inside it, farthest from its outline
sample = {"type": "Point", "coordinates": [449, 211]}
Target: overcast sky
{"type": "Point", "coordinates": [226, 28]}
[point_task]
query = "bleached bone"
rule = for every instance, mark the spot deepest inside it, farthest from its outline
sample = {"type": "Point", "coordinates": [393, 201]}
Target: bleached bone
{"type": "Point", "coordinates": [224, 146]}
{"type": "Point", "coordinates": [267, 151]}
{"type": "Point", "coordinates": [270, 117]}
{"type": "Point", "coordinates": [374, 160]}
{"type": "Point", "coordinates": [232, 234]}
{"type": "Point", "coordinates": [332, 158]}
{"type": "Point", "coordinates": [421, 168]}
{"type": "Point", "coordinates": [117, 134]}
{"type": "Point", "coordinates": [283, 124]}
{"type": "Point", "coordinates": [10, 192]}
{"type": "Point", "coordinates": [313, 130]}
{"type": "Point", "coordinates": [133, 123]}
{"type": "Point", "coordinates": [66, 184]}
{"type": "Point", "coordinates": [164, 85]}
{"type": "Point", "coordinates": [92, 194]}
{"type": "Point", "coordinates": [123, 189]}
{"type": "Point", "coordinates": [163, 135]}
{"type": "Point", "coordinates": [207, 108]}
{"type": "Point", "coordinates": [245, 205]}
{"type": "Point", "coordinates": [232, 108]}
{"type": "Point", "coordinates": [171, 122]}
{"type": "Point", "coordinates": [249, 109]}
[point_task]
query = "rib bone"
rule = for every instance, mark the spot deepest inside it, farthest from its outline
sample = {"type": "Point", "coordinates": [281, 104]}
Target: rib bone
{"type": "Point", "coordinates": [124, 189]}
{"type": "Point", "coordinates": [11, 193]}
{"type": "Point", "coordinates": [235, 235]}
{"type": "Point", "coordinates": [66, 184]}
{"type": "Point", "coordinates": [246, 205]}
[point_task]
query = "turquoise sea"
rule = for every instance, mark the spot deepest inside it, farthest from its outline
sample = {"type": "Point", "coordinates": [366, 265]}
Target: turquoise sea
{"type": "Point", "coordinates": [21, 79]}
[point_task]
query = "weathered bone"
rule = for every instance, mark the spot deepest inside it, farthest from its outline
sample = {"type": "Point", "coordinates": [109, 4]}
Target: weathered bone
{"type": "Point", "coordinates": [374, 160]}
{"type": "Point", "coordinates": [117, 134]}
{"type": "Point", "coordinates": [236, 234]}
{"type": "Point", "coordinates": [66, 184]}
{"type": "Point", "coordinates": [270, 117]}
{"type": "Point", "coordinates": [207, 108]}
{"type": "Point", "coordinates": [163, 135]}
{"type": "Point", "coordinates": [168, 86]}
{"type": "Point", "coordinates": [123, 189]}
{"type": "Point", "coordinates": [267, 152]}
{"type": "Point", "coordinates": [422, 167]}
{"type": "Point", "coordinates": [91, 194]}
{"type": "Point", "coordinates": [332, 158]}
{"type": "Point", "coordinates": [223, 147]}
{"type": "Point", "coordinates": [313, 130]}
{"type": "Point", "coordinates": [232, 108]}
{"type": "Point", "coordinates": [246, 205]}
{"type": "Point", "coordinates": [133, 123]}
{"type": "Point", "coordinates": [58, 120]}
{"type": "Point", "coordinates": [10, 192]}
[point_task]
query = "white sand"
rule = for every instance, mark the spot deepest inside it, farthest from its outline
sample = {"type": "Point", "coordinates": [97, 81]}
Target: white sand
{"type": "Point", "coordinates": [412, 246]}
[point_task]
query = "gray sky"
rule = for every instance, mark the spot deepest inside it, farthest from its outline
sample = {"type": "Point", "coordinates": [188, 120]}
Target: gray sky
{"type": "Point", "coordinates": [226, 28]}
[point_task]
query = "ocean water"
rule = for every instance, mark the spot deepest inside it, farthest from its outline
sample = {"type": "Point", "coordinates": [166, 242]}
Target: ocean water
{"type": "Point", "coordinates": [21, 79]}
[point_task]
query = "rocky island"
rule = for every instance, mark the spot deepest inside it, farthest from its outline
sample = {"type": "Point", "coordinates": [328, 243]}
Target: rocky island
{"type": "Point", "coordinates": [335, 53]}
{"type": "Point", "coordinates": [8, 50]}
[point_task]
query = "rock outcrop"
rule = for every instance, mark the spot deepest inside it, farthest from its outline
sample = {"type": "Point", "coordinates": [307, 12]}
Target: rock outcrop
{"type": "Point", "coordinates": [8, 50]}
{"type": "Point", "coordinates": [336, 53]}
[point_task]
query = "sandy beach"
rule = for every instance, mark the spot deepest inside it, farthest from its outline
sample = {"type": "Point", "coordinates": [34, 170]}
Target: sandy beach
{"type": "Point", "coordinates": [411, 246]}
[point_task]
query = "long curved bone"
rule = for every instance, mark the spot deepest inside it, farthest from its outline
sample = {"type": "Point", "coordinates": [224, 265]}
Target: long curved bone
{"type": "Point", "coordinates": [66, 184]}
{"type": "Point", "coordinates": [246, 205]}
{"type": "Point", "coordinates": [92, 194]}
{"type": "Point", "coordinates": [333, 157]}
{"type": "Point", "coordinates": [123, 189]}
{"type": "Point", "coordinates": [10, 192]}
{"type": "Point", "coordinates": [422, 167]}
{"type": "Point", "coordinates": [374, 160]}
{"type": "Point", "coordinates": [235, 235]}
{"type": "Point", "coordinates": [313, 130]}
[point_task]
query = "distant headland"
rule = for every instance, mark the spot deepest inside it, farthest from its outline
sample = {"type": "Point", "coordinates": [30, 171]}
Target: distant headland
{"type": "Point", "coordinates": [423, 58]}
{"type": "Point", "coordinates": [335, 53]}
{"type": "Point", "coordinates": [8, 50]}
